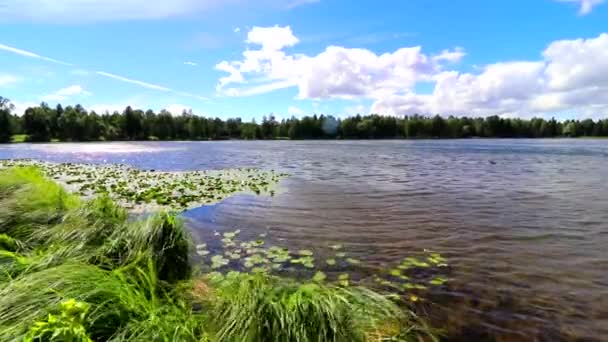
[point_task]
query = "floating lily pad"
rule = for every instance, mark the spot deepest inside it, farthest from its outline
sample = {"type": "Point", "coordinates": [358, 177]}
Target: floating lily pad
{"type": "Point", "coordinates": [330, 262]}
{"type": "Point", "coordinates": [395, 272]}
{"type": "Point", "coordinates": [319, 277]}
{"type": "Point", "coordinates": [353, 261]}
{"type": "Point", "coordinates": [438, 281]}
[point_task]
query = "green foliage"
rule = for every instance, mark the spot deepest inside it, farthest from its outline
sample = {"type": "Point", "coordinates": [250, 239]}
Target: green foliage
{"type": "Point", "coordinates": [247, 307]}
{"type": "Point", "coordinates": [141, 190]}
{"type": "Point", "coordinates": [75, 270]}
{"type": "Point", "coordinates": [65, 327]}
{"type": "Point", "coordinates": [19, 138]}
{"type": "Point", "coordinates": [7, 243]}
{"type": "Point", "coordinates": [74, 123]}
{"type": "Point", "coordinates": [6, 125]}
{"type": "Point", "coordinates": [34, 202]}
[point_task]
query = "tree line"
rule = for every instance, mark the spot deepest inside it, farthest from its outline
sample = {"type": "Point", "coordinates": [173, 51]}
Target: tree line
{"type": "Point", "coordinates": [74, 123]}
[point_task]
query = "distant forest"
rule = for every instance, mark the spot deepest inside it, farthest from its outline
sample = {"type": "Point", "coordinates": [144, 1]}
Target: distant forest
{"type": "Point", "coordinates": [75, 123]}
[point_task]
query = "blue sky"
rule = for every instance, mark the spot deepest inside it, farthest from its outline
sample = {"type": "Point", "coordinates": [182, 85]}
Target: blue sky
{"type": "Point", "coordinates": [296, 57]}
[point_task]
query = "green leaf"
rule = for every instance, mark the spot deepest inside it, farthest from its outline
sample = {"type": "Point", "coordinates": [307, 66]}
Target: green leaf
{"type": "Point", "coordinates": [305, 252]}
{"type": "Point", "coordinates": [331, 261]}
{"type": "Point", "coordinates": [319, 277]}
{"type": "Point", "coordinates": [395, 272]}
{"type": "Point", "coordinates": [353, 261]}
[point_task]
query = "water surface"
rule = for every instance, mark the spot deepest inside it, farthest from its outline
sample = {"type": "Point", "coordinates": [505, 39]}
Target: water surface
{"type": "Point", "coordinates": [524, 223]}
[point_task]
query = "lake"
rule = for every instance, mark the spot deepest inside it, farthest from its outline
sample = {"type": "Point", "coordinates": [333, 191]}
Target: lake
{"type": "Point", "coordinates": [523, 223]}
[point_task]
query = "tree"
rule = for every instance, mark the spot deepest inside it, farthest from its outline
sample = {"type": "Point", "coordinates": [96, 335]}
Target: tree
{"type": "Point", "coordinates": [133, 123]}
{"type": "Point", "coordinates": [36, 123]}
{"type": "Point", "coordinates": [6, 126]}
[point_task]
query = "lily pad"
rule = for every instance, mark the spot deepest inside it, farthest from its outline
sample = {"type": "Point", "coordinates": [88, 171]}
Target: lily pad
{"type": "Point", "coordinates": [319, 277]}
{"type": "Point", "coordinates": [330, 262]}
{"type": "Point", "coordinates": [353, 261]}
{"type": "Point", "coordinates": [305, 252]}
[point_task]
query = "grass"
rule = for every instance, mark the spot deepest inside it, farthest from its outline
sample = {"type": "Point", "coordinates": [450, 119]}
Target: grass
{"type": "Point", "coordinates": [83, 270]}
{"type": "Point", "coordinates": [19, 138]}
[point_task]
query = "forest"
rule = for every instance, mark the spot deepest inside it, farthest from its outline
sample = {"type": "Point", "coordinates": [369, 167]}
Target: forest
{"type": "Point", "coordinates": [74, 123]}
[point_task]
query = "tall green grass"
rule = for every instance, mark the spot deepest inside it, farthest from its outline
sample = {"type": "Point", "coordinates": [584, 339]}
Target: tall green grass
{"type": "Point", "coordinates": [81, 270]}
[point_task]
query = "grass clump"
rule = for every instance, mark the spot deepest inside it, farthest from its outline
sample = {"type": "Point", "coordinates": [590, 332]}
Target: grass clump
{"type": "Point", "coordinates": [259, 307]}
{"type": "Point", "coordinates": [82, 270]}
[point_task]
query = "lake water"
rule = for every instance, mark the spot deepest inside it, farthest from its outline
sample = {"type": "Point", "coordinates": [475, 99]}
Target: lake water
{"type": "Point", "coordinates": [523, 223]}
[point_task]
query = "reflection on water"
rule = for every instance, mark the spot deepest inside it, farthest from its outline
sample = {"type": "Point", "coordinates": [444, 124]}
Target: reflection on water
{"type": "Point", "coordinates": [524, 223]}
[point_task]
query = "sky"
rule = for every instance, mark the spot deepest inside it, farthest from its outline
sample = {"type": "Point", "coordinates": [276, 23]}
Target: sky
{"type": "Point", "coordinates": [228, 58]}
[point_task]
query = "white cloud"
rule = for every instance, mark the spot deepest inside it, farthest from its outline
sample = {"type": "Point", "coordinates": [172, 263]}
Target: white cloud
{"type": "Point", "coordinates": [272, 38]}
{"type": "Point", "coordinates": [577, 63]}
{"type": "Point", "coordinates": [450, 55]}
{"type": "Point", "coordinates": [149, 85]}
{"type": "Point", "coordinates": [295, 111]}
{"type": "Point", "coordinates": [236, 30]}
{"type": "Point", "coordinates": [8, 80]}
{"type": "Point", "coordinates": [177, 109]}
{"type": "Point", "coordinates": [83, 72]}
{"type": "Point", "coordinates": [337, 72]}
{"type": "Point", "coordinates": [586, 6]}
{"type": "Point", "coordinates": [190, 63]}
{"type": "Point", "coordinates": [132, 81]}
{"type": "Point", "coordinates": [20, 107]}
{"type": "Point", "coordinates": [30, 54]}
{"type": "Point", "coordinates": [66, 93]}
{"type": "Point", "coordinates": [572, 75]}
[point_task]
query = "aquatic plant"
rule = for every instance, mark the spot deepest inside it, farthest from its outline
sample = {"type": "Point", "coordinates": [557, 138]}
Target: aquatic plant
{"type": "Point", "coordinates": [258, 307]}
{"type": "Point", "coordinates": [150, 191]}
{"type": "Point", "coordinates": [79, 269]}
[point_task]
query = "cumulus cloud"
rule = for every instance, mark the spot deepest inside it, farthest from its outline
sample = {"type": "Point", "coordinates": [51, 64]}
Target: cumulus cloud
{"type": "Point", "coordinates": [337, 72]}
{"type": "Point", "coordinates": [586, 6]}
{"type": "Point", "coordinates": [272, 38]}
{"type": "Point", "coordinates": [571, 75]}
{"type": "Point", "coordinates": [190, 63]}
{"type": "Point", "coordinates": [66, 93]}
